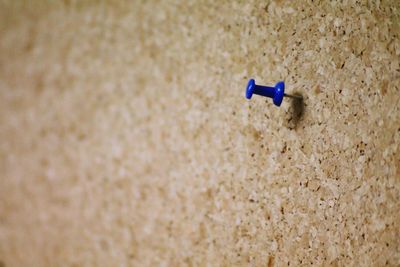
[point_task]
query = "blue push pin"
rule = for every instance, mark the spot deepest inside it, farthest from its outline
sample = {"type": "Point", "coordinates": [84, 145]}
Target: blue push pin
{"type": "Point", "coordinates": [276, 93]}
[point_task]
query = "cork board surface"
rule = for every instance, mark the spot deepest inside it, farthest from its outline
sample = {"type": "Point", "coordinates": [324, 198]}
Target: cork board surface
{"type": "Point", "coordinates": [126, 139]}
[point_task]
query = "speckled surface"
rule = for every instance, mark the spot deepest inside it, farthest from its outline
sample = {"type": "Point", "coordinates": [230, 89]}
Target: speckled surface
{"type": "Point", "coordinates": [126, 139]}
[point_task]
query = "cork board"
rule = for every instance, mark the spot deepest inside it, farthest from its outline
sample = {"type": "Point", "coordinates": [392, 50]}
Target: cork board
{"type": "Point", "coordinates": [126, 139]}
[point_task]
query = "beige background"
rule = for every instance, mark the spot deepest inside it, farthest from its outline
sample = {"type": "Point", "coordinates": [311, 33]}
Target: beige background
{"type": "Point", "coordinates": [126, 139]}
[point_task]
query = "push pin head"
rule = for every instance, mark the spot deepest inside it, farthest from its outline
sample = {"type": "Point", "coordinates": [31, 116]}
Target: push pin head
{"type": "Point", "coordinates": [249, 89]}
{"type": "Point", "coordinates": [276, 93]}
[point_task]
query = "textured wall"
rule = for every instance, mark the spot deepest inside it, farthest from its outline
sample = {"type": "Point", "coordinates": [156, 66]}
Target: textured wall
{"type": "Point", "coordinates": [126, 139]}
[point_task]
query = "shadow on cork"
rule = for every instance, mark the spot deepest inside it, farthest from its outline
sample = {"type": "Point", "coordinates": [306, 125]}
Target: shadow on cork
{"type": "Point", "coordinates": [296, 111]}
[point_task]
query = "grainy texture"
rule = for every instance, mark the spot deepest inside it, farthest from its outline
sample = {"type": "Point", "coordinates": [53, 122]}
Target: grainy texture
{"type": "Point", "coordinates": [126, 139]}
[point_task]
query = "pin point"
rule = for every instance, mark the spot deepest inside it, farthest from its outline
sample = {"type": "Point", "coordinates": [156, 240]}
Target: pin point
{"type": "Point", "coordinates": [276, 93]}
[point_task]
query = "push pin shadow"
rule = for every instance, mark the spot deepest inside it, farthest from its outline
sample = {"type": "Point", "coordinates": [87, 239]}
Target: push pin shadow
{"type": "Point", "coordinates": [276, 93]}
